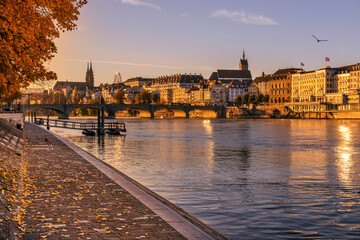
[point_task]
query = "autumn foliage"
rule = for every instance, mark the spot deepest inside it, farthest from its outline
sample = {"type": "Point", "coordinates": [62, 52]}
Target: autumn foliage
{"type": "Point", "coordinates": [27, 32]}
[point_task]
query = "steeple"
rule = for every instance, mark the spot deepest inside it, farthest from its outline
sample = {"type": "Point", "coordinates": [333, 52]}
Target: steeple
{"type": "Point", "coordinates": [89, 79]}
{"type": "Point", "coordinates": [243, 65]}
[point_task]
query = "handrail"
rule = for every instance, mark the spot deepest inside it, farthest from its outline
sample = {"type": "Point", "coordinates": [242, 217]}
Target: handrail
{"type": "Point", "coordinates": [78, 125]}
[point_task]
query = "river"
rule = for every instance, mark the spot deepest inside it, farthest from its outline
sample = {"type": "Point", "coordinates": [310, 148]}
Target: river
{"type": "Point", "coordinates": [248, 179]}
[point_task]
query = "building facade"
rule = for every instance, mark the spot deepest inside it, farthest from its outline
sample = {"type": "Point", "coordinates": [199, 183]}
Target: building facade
{"type": "Point", "coordinates": [279, 86]}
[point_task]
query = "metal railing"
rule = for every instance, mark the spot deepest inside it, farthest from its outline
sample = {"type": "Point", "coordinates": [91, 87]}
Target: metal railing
{"type": "Point", "coordinates": [13, 108]}
{"type": "Point", "coordinates": [79, 125]}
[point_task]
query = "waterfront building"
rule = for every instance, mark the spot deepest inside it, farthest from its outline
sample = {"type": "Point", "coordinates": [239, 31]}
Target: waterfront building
{"type": "Point", "coordinates": [348, 79]}
{"type": "Point", "coordinates": [312, 86]}
{"type": "Point", "coordinates": [355, 79]}
{"type": "Point", "coordinates": [180, 95]}
{"type": "Point", "coordinates": [322, 90]}
{"type": "Point", "coordinates": [166, 96]}
{"type": "Point", "coordinates": [194, 96]}
{"type": "Point", "coordinates": [217, 93]}
{"type": "Point", "coordinates": [235, 88]}
{"type": "Point", "coordinates": [262, 84]}
{"type": "Point", "coordinates": [207, 93]}
{"type": "Point", "coordinates": [137, 81]}
{"type": "Point", "coordinates": [96, 94]}
{"type": "Point", "coordinates": [279, 86]}
{"type": "Point", "coordinates": [173, 82]}
{"type": "Point", "coordinates": [109, 90]}
{"type": "Point", "coordinates": [253, 89]}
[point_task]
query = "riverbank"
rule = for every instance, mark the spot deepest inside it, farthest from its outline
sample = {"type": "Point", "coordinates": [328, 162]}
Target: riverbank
{"type": "Point", "coordinates": [70, 194]}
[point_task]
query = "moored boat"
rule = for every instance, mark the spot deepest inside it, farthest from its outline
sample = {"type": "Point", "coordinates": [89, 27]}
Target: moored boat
{"type": "Point", "coordinates": [116, 132]}
{"type": "Point", "coordinates": [88, 132]}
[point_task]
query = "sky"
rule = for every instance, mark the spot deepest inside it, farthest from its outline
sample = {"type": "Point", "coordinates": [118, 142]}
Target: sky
{"type": "Point", "coordinates": [150, 38]}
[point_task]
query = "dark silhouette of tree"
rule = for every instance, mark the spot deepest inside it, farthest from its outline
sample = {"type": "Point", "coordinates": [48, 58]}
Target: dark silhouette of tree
{"type": "Point", "coordinates": [245, 98]}
{"type": "Point", "coordinates": [155, 98]}
{"type": "Point", "coordinates": [238, 100]}
{"type": "Point", "coordinates": [145, 97]}
{"type": "Point", "coordinates": [266, 99]}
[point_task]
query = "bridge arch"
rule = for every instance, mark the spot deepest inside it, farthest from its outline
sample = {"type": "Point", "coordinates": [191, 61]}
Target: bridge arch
{"type": "Point", "coordinates": [59, 111]}
{"type": "Point", "coordinates": [83, 111]}
{"type": "Point", "coordinates": [203, 113]}
{"type": "Point", "coordinates": [170, 112]}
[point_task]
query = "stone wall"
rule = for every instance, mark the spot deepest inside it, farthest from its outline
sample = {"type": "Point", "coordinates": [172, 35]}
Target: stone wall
{"type": "Point", "coordinates": [12, 176]}
{"type": "Point", "coordinates": [13, 118]}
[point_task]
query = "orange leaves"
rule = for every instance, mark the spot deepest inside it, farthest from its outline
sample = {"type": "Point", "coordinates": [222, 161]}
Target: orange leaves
{"type": "Point", "coordinates": [27, 31]}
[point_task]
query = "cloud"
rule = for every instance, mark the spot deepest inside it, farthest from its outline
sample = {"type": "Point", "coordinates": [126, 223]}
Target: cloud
{"type": "Point", "coordinates": [124, 63]}
{"type": "Point", "coordinates": [244, 17]}
{"type": "Point", "coordinates": [141, 3]}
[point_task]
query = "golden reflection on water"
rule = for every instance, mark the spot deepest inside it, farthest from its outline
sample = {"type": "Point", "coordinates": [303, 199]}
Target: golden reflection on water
{"type": "Point", "coordinates": [207, 126]}
{"type": "Point", "coordinates": [118, 149]}
{"type": "Point", "coordinates": [209, 130]}
{"type": "Point", "coordinates": [308, 169]}
{"type": "Point", "coordinates": [344, 154]}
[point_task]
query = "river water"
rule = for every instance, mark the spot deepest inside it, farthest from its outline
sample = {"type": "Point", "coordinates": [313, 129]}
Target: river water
{"type": "Point", "coordinates": [248, 179]}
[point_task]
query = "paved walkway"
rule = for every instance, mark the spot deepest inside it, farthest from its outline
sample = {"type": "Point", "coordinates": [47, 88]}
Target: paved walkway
{"type": "Point", "coordinates": [71, 199]}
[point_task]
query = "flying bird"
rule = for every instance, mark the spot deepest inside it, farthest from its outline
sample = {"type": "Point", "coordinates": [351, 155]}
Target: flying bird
{"type": "Point", "coordinates": [318, 40]}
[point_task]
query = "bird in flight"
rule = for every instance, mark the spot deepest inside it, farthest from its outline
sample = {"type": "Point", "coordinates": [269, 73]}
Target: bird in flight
{"type": "Point", "coordinates": [318, 40]}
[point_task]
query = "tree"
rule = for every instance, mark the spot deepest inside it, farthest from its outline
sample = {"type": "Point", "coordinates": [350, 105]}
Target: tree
{"type": "Point", "coordinates": [145, 96]}
{"type": "Point", "coordinates": [266, 99]}
{"type": "Point", "coordinates": [119, 97]}
{"type": "Point", "coordinates": [259, 98]}
{"type": "Point", "coordinates": [14, 96]}
{"type": "Point", "coordinates": [252, 98]}
{"type": "Point", "coordinates": [238, 100]}
{"type": "Point", "coordinates": [245, 98]}
{"type": "Point", "coordinates": [27, 33]}
{"type": "Point", "coordinates": [155, 98]}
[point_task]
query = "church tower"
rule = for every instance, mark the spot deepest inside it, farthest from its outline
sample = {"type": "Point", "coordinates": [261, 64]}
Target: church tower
{"type": "Point", "coordinates": [89, 76]}
{"type": "Point", "coordinates": [243, 65]}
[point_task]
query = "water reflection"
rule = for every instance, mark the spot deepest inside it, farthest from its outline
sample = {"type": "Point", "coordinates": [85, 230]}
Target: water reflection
{"type": "Point", "coordinates": [207, 126]}
{"type": "Point", "coordinates": [210, 143]}
{"type": "Point", "coordinates": [344, 152]}
{"type": "Point", "coordinates": [249, 179]}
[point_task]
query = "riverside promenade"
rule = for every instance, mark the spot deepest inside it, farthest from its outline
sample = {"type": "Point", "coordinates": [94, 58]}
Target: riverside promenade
{"type": "Point", "coordinates": [73, 195]}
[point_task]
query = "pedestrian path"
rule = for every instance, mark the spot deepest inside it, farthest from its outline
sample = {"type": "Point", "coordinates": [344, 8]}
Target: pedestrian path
{"type": "Point", "coordinates": [70, 198]}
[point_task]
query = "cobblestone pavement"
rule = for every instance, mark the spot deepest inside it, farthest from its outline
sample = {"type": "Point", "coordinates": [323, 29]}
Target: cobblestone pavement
{"type": "Point", "coordinates": [70, 199]}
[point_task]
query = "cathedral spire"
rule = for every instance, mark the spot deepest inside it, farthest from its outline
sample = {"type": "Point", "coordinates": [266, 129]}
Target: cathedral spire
{"type": "Point", "coordinates": [89, 75]}
{"type": "Point", "coordinates": [243, 53]}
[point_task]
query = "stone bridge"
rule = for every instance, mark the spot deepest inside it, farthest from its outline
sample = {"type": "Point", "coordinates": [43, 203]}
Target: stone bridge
{"type": "Point", "coordinates": [64, 110]}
